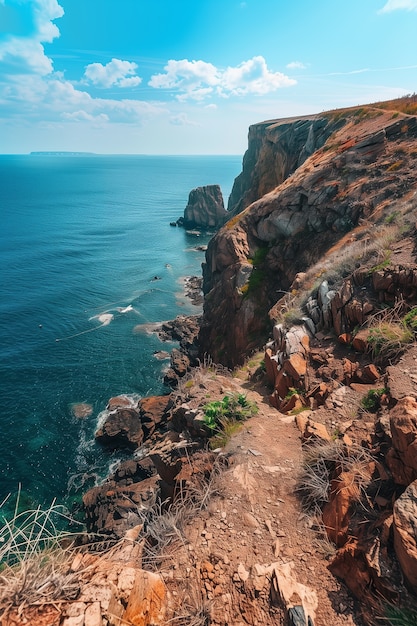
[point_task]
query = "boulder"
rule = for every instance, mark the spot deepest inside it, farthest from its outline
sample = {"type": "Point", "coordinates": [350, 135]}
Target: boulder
{"type": "Point", "coordinates": [205, 208]}
{"type": "Point", "coordinates": [402, 457]}
{"type": "Point", "coordinates": [154, 410]}
{"type": "Point", "coordinates": [405, 533]}
{"type": "Point", "coordinates": [121, 429]}
{"type": "Point", "coordinates": [112, 508]}
{"type": "Point", "coordinates": [344, 492]}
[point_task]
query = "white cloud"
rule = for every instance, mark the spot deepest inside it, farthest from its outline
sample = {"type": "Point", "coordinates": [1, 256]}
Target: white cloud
{"type": "Point", "coordinates": [187, 76]}
{"type": "Point", "coordinates": [253, 77]}
{"type": "Point", "coordinates": [198, 79]}
{"type": "Point", "coordinates": [83, 116]}
{"type": "Point", "coordinates": [115, 73]}
{"type": "Point", "coordinates": [19, 54]}
{"type": "Point", "coordinates": [296, 65]}
{"type": "Point", "coordinates": [394, 5]}
{"type": "Point", "coordinates": [34, 97]}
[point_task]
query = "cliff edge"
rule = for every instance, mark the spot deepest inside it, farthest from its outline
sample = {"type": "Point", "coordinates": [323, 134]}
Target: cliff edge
{"type": "Point", "coordinates": [306, 183]}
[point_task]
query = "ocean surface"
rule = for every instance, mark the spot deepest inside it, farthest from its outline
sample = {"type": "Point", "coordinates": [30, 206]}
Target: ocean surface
{"type": "Point", "coordinates": [82, 241]}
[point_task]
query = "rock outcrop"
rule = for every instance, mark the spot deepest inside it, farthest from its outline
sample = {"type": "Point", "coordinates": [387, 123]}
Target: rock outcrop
{"type": "Point", "coordinates": [205, 208]}
{"type": "Point", "coordinates": [317, 180]}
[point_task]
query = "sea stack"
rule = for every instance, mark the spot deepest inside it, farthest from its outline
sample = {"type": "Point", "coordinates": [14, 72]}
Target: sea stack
{"type": "Point", "coordinates": [205, 208]}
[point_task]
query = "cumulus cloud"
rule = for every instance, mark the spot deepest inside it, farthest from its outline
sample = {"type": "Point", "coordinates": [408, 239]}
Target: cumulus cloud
{"type": "Point", "coordinates": [54, 98]}
{"type": "Point", "coordinates": [394, 5]}
{"type": "Point", "coordinates": [116, 73]}
{"type": "Point", "coordinates": [20, 53]}
{"type": "Point", "coordinates": [198, 79]}
{"type": "Point", "coordinates": [296, 65]}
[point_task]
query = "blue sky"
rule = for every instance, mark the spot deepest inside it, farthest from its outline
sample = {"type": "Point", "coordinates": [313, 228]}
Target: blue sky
{"type": "Point", "coordinates": [190, 76]}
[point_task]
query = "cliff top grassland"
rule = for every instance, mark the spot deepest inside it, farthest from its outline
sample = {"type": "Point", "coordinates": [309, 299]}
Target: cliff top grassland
{"type": "Point", "coordinates": [277, 482]}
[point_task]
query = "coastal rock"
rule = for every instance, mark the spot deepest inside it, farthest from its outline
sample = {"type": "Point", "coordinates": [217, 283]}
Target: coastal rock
{"type": "Point", "coordinates": [112, 508]}
{"type": "Point", "coordinates": [121, 429]}
{"type": "Point", "coordinates": [154, 411]}
{"type": "Point", "coordinates": [205, 208]}
{"type": "Point", "coordinates": [295, 201]}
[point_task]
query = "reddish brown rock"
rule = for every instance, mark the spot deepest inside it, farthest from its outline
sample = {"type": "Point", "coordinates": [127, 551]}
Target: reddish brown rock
{"type": "Point", "coordinates": [345, 338]}
{"type": "Point", "coordinates": [282, 384]}
{"type": "Point", "coordinates": [112, 509]}
{"type": "Point", "coordinates": [154, 410]}
{"type": "Point", "coordinates": [350, 565]}
{"type": "Point", "coordinates": [121, 429]}
{"type": "Point", "coordinates": [147, 601]}
{"type": "Point", "coordinates": [344, 492]}
{"type": "Point", "coordinates": [369, 373]}
{"type": "Point", "coordinates": [360, 340]}
{"type": "Point", "coordinates": [271, 366]}
{"type": "Point", "coordinates": [292, 403]}
{"type": "Point", "coordinates": [316, 430]}
{"type": "Point", "coordinates": [405, 533]}
{"type": "Point", "coordinates": [119, 402]}
{"type": "Point", "coordinates": [295, 366]}
{"type": "Point", "coordinates": [402, 459]}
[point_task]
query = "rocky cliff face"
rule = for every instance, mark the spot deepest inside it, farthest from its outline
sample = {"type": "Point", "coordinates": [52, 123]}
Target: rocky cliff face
{"type": "Point", "coordinates": [275, 150]}
{"type": "Point", "coordinates": [305, 184]}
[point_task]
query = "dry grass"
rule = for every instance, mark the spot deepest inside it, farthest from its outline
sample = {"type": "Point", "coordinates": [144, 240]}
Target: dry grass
{"type": "Point", "coordinates": [35, 558]}
{"type": "Point", "coordinates": [321, 463]}
{"type": "Point", "coordinates": [195, 609]}
{"type": "Point", "coordinates": [164, 525]}
{"type": "Point", "coordinates": [388, 333]}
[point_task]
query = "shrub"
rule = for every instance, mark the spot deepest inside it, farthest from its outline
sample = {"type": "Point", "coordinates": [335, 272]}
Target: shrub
{"type": "Point", "coordinates": [372, 400]}
{"type": "Point", "coordinates": [410, 319]}
{"type": "Point", "coordinates": [223, 417]}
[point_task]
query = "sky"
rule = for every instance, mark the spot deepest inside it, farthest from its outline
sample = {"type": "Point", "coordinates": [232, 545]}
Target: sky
{"type": "Point", "coordinates": [190, 76]}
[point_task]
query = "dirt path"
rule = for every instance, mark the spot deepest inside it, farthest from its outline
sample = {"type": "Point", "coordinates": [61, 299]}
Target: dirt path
{"type": "Point", "coordinates": [256, 520]}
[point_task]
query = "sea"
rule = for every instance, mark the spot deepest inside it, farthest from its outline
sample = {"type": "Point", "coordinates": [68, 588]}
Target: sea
{"type": "Point", "coordinates": [89, 261]}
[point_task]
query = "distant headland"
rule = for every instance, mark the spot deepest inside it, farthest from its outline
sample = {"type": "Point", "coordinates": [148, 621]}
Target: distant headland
{"type": "Point", "coordinates": [61, 153]}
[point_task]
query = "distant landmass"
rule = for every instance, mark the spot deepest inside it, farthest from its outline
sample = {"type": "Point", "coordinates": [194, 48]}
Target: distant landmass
{"type": "Point", "coordinates": [61, 153]}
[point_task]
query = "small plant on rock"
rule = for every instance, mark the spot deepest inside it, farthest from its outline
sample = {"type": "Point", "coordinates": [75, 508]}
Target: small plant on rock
{"type": "Point", "coordinates": [222, 416]}
{"type": "Point", "coordinates": [372, 400]}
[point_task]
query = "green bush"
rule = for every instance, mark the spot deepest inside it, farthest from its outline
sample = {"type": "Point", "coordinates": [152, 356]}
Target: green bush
{"type": "Point", "coordinates": [223, 417]}
{"type": "Point", "coordinates": [410, 319]}
{"type": "Point", "coordinates": [372, 400]}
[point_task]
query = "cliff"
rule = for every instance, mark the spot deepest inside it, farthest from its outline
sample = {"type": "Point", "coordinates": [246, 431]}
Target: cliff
{"type": "Point", "coordinates": [305, 184]}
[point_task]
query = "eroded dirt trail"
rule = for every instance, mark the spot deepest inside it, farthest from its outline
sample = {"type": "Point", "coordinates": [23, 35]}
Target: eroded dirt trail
{"type": "Point", "coordinates": [254, 521]}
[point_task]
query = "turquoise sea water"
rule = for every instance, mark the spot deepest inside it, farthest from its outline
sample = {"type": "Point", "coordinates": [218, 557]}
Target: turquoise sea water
{"type": "Point", "coordinates": [84, 237]}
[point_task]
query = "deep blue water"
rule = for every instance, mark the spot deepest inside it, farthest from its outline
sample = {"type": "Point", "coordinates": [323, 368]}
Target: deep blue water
{"type": "Point", "coordinates": [82, 237]}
